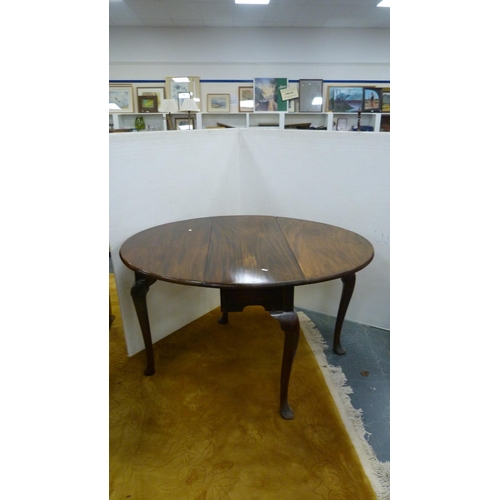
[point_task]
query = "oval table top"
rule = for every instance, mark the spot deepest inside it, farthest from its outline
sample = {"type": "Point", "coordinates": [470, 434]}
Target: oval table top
{"type": "Point", "coordinates": [245, 251]}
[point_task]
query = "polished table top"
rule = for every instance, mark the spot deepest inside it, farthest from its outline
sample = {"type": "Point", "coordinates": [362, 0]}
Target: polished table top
{"type": "Point", "coordinates": [246, 251]}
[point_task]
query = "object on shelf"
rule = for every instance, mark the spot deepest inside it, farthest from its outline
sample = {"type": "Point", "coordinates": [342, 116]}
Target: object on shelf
{"type": "Point", "coordinates": [372, 100]}
{"type": "Point", "coordinates": [147, 103]}
{"type": "Point", "coordinates": [139, 123]}
{"type": "Point", "coordinates": [169, 106]}
{"type": "Point", "coordinates": [342, 124]}
{"type": "Point", "coordinates": [311, 96]}
{"type": "Point", "coordinates": [386, 100]}
{"type": "Point", "coordinates": [385, 123]}
{"type": "Point", "coordinates": [362, 128]}
{"type": "Point", "coordinates": [269, 124]}
{"type": "Point", "coordinates": [223, 125]}
{"type": "Point", "coordinates": [298, 125]}
{"type": "Point", "coordinates": [113, 131]}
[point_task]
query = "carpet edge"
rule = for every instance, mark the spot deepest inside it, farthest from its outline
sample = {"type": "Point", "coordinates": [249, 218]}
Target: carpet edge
{"type": "Point", "coordinates": [377, 472]}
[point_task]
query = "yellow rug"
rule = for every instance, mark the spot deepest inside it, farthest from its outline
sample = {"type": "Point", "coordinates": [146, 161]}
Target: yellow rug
{"type": "Point", "coordinates": [206, 426]}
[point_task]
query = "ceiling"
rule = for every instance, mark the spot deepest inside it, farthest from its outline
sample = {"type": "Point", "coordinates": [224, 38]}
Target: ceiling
{"type": "Point", "coordinates": [224, 14]}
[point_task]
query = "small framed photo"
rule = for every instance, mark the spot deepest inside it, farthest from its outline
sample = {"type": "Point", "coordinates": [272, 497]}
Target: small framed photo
{"type": "Point", "coordinates": [159, 92]}
{"type": "Point", "coordinates": [245, 99]}
{"type": "Point", "coordinates": [342, 124]}
{"type": "Point", "coordinates": [184, 123]}
{"type": "Point", "coordinates": [121, 99]}
{"type": "Point", "coordinates": [218, 103]}
{"type": "Point", "coordinates": [372, 100]}
{"type": "Point", "coordinates": [310, 96]}
{"type": "Point", "coordinates": [147, 104]}
{"type": "Point", "coordinates": [345, 99]}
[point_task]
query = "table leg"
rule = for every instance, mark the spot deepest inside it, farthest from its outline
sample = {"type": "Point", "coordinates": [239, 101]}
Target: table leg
{"type": "Point", "coordinates": [139, 292]}
{"type": "Point", "coordinates": [224, 318]}
{"type": "Point", "coordinates": [347, 291]}
{"type": "Point", "coordinates": [289, 323]}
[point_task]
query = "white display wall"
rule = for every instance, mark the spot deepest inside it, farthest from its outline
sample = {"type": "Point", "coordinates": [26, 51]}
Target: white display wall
{"type": "Point", "coordinates": [336, 178]}
{"type": "Point", "coordinates": [246, 53]}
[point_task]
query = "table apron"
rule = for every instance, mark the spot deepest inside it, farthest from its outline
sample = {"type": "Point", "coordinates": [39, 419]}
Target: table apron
{"type": "Point", "coordinates": [272, 299]}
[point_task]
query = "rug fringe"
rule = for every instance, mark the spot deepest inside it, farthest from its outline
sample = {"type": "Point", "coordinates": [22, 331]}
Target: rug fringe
{"type": "Point", "coordinates": [377, 472]}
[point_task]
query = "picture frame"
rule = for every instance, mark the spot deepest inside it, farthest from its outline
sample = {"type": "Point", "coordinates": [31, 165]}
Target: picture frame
{"type": "Point", "coordinates": [192, 85]}
{"type": "Point", "coordinates": [345, 99]}
{"type": "Point", "coordinates": [159, 92]}
{"type": "Point", "coordinates": [342, 124]}
{"type": "Point", "coordinates": [218, 103]}
{"type": "Point", "coordinates": [267, 95]}
{"type": "Point", "coordinates": [310, 96]}
{"type": "Point", "coordinates": [372, 100]}
{"type": "Point", "coordinates": [122, 96]}
{"type": "Point", "coordinates": [147, 104]}
{"type": "Point", "coordinates": [386, 100]}
{"type": "Point", "coordinates": [184, 123]}
{"type": "Point", "coordinates": [245, 99]}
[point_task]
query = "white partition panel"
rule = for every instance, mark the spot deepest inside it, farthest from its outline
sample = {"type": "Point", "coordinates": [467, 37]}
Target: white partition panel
{"type": "Point", "coordinates": [159, 177]}
{"type": "Point", "coordinates": [340, 178]}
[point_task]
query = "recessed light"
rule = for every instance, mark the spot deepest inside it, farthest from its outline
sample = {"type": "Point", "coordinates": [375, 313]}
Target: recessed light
{"type": "Point", "coordinates": [256, 2]}
{"type": "Point", "coordinates": [384, 3]}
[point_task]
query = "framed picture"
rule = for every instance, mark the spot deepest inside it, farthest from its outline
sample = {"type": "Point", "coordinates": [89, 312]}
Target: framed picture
{"type": "Point", "coordinates": [268, 94]}
{"type": "Point", "coordinates": [342, 124]}
{"type": "Point", "coordinates": [121, 96]}
{"type": "Point", "coordinates": [218, 103]}
{"type": "Point", "coordinates": [183, 84]}
{"type": "Point", "coordinates": [345, 99]}
{"type": "Point", "coordinates": [184, 123]}
{"type": "Point", "coordinates": [372, 100]}
{"type": "Point", "coordinates": [310, 96]}
{"type": "Point", "coordinates": [159, 92]}
{"type": "Point", "coordinates": [386, 100]}
{"type": "Point", "coordinates": [245, 99]}
{"type": "Point", "coordinates": [147, 104]}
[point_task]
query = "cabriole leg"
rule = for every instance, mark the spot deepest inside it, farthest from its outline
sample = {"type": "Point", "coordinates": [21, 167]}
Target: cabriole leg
{"type": "Point", "coordinates": [139, 292]}
{"type": "Point", "coordinates": [289, 323]}
{"type": "Point", "coordinates": [347, 291]}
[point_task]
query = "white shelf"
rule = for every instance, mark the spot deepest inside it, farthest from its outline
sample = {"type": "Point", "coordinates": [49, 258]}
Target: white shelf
{"type": "Point", "coordinates": [272, 120]}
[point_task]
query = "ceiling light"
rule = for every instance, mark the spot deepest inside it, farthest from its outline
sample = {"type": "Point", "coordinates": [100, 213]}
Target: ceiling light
{"type": "Point", "coordinates": [384, 3]}
{"type": "Point", "coordinates": [259, 2]}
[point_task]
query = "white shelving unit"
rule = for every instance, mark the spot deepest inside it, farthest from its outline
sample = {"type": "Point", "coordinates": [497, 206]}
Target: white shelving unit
{"type": "Point", "coordinates": [272, 120]}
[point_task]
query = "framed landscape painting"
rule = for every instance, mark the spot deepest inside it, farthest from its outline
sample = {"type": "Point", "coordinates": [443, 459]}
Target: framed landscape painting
{"type": "Point", "coordinates": [147, 104]}
{"type": "Point", "coordinates": [345, 99]}
{"type": "Point", "coordinates": [159, 92]}
{"type": "Point", "coordinates": [218, 103]}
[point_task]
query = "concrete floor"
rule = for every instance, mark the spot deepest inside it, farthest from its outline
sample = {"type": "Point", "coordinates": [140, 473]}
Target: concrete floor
{"type": "Point", "coordinates": [366, 366]}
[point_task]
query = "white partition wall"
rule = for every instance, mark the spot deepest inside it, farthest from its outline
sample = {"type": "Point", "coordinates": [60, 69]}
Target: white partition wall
{"type": "Point", "coordinates": [159, 177]}
{"type": "Point", "coordinates": [332, 177]}
{"type": "Point", "coordinates": [340, 178]}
